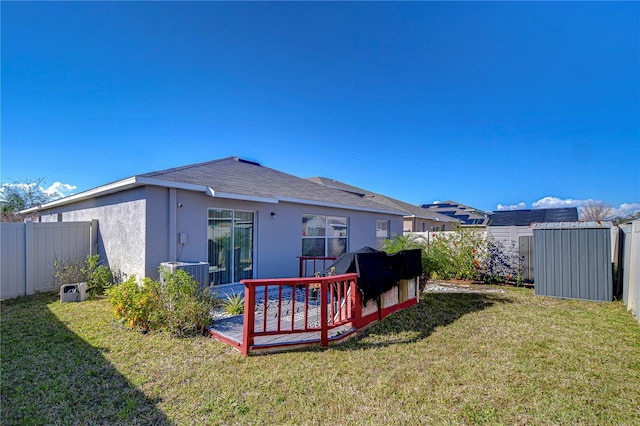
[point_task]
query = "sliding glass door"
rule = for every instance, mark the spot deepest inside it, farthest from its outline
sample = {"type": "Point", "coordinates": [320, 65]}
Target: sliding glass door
{"type": "Point", "coordinates": [230, 236]}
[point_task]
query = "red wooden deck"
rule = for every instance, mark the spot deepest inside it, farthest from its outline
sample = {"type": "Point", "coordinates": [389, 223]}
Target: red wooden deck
{"type": "Point", "coordinates": [292, 312]}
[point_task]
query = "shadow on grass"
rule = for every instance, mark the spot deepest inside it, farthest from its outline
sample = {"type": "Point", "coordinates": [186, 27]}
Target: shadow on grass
{"type": "Point", "coordinates": [418, 322]}
{"type": "Point", "coordinates": [52, 376]}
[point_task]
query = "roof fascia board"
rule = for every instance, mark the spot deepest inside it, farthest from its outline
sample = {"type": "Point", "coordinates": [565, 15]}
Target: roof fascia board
{"type": "Point", "coordinates": [100, 190]}
{"type": "Point", "coordinates": [340, 206]}
{"type": "Point", "coordinates": [117, 186]}
{"type": "Point", "coordinates": [172, 184]}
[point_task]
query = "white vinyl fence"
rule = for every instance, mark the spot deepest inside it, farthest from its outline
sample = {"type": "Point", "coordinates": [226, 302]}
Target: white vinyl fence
{"type": "Point", "coordinates": [28, 251]}
{"type": "Point", "coordinates": [630, 264]}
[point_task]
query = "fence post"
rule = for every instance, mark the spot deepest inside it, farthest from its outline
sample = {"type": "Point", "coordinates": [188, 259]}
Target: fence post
{"type": "Point", "coordinates": [93, 249]}
{"type": "Point", "coordinates": [357, 302]}
{"type": "Point", "coordinates": [249, 317]}
{"type": "Point", "coordinates": [30, 258]}
{"type": "Point", "coordinates": [324, 317]}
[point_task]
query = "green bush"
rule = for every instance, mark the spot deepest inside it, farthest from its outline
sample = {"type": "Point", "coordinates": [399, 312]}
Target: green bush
{"type": "Point", "coordinates": [185, 308]}
{"type": "Point", "coordinates": [234, 304]}
{"type": "Point", "coordinates": [98, 277]}
{"type": "Point", "coordinates": [178, 305]}
{"type": "Point", "coordinates": [134, 303]}
{"type": "Point", "coordinates": [457, 254]}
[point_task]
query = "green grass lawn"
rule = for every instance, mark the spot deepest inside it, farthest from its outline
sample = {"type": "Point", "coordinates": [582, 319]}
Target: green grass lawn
{"type": "Point", "coordinates": [510, 358]}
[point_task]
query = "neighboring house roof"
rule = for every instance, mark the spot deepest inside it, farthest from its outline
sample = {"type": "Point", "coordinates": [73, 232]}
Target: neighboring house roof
{"type": "Point", "coordinates": [527, 217]}
{"type": "Point", "coordinates": [467, 215]}
{"type": "Point", "coordinates": [409, 209]}
{"type": "Point", "coordinates": [240, 179]}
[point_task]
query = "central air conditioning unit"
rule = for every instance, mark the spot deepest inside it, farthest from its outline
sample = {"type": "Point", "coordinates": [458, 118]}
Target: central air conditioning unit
{"type": "Point", "coordinates": [73, 292]}
{"type": "Point", "coordinates": [198, 270]}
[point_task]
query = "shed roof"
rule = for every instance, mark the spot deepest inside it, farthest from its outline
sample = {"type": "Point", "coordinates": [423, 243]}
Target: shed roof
{"type": "Point", "coordinates": [574, 225]}
{"type": "Point", "coordinates": [527, 217]}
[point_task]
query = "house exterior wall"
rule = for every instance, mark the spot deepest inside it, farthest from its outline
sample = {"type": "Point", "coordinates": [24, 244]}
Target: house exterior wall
{"type": "Point", "coordinates": [277, 239]}
{"type": "Point", "coordinates": [139, 229]}
{"type": "Point", "coordinates": [121, 227]}
{"type": "Point", "coordinates": [427, 225]}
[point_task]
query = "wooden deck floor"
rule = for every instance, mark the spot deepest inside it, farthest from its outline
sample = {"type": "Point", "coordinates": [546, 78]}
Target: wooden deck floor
{"type": "Point", "coordinates": [232, 328]}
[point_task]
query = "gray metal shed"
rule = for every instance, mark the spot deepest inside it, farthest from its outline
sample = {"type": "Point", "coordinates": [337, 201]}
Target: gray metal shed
{"type": "Point", "coordinates": [573, 260]}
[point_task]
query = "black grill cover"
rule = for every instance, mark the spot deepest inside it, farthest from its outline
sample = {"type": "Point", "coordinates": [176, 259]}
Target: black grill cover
{"type": "Point", "coordinates": [377, 271]}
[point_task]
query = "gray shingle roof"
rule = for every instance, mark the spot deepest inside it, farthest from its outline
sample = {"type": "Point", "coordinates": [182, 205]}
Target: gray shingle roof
{"type": "Point", "coordinates": [409, 209]}
{"type": "Point", "coordinates": [468, 215]}
{"type": "Point", "coordinates": [236, 176]}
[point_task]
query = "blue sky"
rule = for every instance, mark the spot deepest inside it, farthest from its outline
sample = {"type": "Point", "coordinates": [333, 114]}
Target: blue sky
{"type": "Point", "coordinates": [488, 104]}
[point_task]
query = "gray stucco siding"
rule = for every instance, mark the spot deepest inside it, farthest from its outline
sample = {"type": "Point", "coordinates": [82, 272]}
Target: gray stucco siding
{"type": "Point", "coordinates": [139, 228]}
{"type": "Point", "coordinates": [277, 239]}
{"type": "Point", "coordinates": [121, 227]}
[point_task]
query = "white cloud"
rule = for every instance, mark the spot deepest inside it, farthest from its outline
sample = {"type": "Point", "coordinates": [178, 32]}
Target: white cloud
{"type": "Point", "coordinates": [622, 210]}
{"type": "Point", "coordinates": [625, 209]}
{"type": "Point", "coordinates": [555, 202]}
{"type": "Point", "coordinates": [521, 205]}
{"type": "Point", "coordinates": [58, 190]}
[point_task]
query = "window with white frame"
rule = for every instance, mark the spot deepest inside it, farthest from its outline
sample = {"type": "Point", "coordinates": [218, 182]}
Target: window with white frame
{"type": "Point", "coordinates": [382, 232]}
{"type": "Point", "coordinates": [324, 235]}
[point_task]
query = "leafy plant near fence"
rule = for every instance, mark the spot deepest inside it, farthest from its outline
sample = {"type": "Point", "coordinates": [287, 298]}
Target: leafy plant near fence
{"type": "Point", "coordinates": [98, 277]}
{"type": "Point", "coordinates": [463, 254]}
{"type": "Point", "coordinates": [177, 305]}
{"type": "Point", "coordinates": [454, 255]}
{"type": "Point", "coordinates": [502, 263]}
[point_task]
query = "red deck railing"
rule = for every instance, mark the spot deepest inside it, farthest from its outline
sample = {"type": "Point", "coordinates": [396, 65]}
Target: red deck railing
{"type": "Point", "coordinates": [310, 265]}
{"type": "Point", "coordinates": [299, 305]}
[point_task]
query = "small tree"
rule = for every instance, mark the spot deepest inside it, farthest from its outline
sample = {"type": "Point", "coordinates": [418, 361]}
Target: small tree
{"type": "Point", "coordinates": [21, 195]}
{"type": "Point", "coordinates": [596, 210]}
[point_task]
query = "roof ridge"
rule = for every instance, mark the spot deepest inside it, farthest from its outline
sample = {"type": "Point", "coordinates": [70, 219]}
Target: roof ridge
{"type": "Point", "coordinates": [204, 163]}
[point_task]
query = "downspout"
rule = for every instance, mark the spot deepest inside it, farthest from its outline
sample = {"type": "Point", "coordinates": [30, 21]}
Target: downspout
{"type": "Point", "coordinates": [173, 206]}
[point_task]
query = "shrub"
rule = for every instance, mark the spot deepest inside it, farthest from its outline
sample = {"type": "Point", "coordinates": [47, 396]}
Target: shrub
{"type": "Point", "coordinates": [234, 304]}
{"type": "Point", "coordinates": [454, 255]}
{"type": "Point", "coordinates": [502, 263]}
{"type": "Point", "coordinates": [134, 303]}
{"type": "Point", "coordinates": [185, 308]}
{"type": "Point", "coordinates": [404, 242]}
{"type": "Point", "coordinates": [98, 277]}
